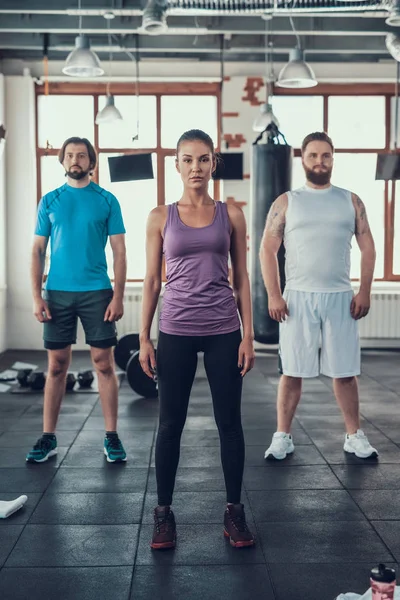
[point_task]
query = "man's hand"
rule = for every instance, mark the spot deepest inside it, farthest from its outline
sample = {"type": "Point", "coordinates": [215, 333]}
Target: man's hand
{"type": "Point", "coordinates": [41, 310]}
{"type": "Point", "coordinates": [114, 311]}
{"type": "Point", "coordinates": [278, 309]}
{"type": "Point", "coordinates": [359, 306]}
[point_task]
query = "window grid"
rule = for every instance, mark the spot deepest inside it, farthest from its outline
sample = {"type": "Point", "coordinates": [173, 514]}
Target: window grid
{"type": "Point", "coordinates": [325, 90]}
{"type": "Point", "coordinates": [328, 90]}
{"type": "Point", "coordinates": [157, 90]}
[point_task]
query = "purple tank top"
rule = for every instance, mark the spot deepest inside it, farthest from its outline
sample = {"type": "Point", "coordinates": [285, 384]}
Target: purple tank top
{"type": "Point", "coordinates": [198, 299]}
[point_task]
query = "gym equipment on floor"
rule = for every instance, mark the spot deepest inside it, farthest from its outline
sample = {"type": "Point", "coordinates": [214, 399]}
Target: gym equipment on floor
{"type": "Point", "coordinates": [70, 382]}
{"type": "Point", "coordinates": [36, 380]}
{"type": "Point", "coordinates": [138, 380]}
{"type": "Point", "coordinates": [271, 177]}
{"type": "Point", "coordinates": [127, 345]}
{"type": "Point", "coordinates": [22, 377]}
{"type": "Point", "coordinates": [85, 379]}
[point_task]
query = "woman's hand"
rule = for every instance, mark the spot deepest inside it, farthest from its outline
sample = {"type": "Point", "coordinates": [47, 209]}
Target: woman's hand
{"type": "Point", "coordinates": [246, 356]}
{"type": "Point", "coordinates": [147, 358]}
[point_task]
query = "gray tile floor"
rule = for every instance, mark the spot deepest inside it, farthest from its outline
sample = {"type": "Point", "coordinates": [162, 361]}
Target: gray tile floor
{"type": "Point", "coordinates": [322, 519]}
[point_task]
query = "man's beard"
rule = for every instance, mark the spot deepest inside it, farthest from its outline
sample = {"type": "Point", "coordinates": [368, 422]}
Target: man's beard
{"type": "Point", "coordinates": [76, 173]}
{"type": "Point", "coordinates": [318, 177]}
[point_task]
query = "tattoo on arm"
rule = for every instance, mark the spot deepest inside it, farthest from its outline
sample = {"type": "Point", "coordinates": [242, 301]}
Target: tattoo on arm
{"type": "Point", "coordinates": [362, 225]}
{"type": "Point", "coordinates": [276, 220]}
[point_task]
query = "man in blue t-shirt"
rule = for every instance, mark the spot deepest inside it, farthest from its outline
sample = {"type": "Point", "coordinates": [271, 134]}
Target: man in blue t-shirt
{"type": "Point", "coordinates": [78, 218]}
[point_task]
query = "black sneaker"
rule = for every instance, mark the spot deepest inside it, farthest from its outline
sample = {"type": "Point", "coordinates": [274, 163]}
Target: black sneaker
{"type": "Point", "coordinates": [164, 534]}
{"type": "Point", "coordinates": [236, 528]}
{"type": "Point", "coordinates": [44, 448]}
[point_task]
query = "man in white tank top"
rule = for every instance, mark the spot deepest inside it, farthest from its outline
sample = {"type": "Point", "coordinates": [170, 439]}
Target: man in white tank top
{"type": "Point", "coordinates": [316, 224]}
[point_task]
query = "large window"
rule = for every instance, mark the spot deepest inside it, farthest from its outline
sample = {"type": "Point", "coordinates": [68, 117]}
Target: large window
{"type": "Point", "coordinates": [359, 125]}
{"type": "Point", "coordinates": [298, 116]}
{"type": "Point", "coordinates": [163, 112]}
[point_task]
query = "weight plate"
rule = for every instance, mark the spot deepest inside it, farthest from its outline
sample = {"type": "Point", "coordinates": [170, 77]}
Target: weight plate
{"type": "Point", "coordinates": [127, 345]}
{"type": "Point", "coordinates": [138, 380]}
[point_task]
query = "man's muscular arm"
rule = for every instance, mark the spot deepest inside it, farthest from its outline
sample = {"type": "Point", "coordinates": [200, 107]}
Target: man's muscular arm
{"type": "Point", "coordinates": [361, 302]}
{"type": "Point", "coordinates": [270, 244]}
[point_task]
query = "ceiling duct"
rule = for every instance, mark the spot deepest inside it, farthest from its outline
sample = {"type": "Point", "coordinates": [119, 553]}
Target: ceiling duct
{"type": "Point", "coordinates": [154, 18]}
{"type": "Point", "coordinates": [393, 45]}
{"type": "Point", "coordinates": [394, 16]}
{"type": "Point", "coordinates": [277, 7]}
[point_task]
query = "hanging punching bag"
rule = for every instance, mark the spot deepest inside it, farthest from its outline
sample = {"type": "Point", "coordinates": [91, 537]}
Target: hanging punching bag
{"type": "Point", "coordinates": [271, 177]}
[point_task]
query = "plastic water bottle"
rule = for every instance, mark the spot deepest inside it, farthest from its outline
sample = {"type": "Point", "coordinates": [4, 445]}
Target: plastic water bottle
{"type": "Point", "coordinates": [383, 583]}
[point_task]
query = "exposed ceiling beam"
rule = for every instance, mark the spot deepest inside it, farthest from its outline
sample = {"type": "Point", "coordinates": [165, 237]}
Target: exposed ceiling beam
{"type": "Point", "coordinates": [328, 29]}
{"type": "Point", "coordinates": [242, 44]}
{"type": "Point", "coordinates": [306, 25]}
{"type": "Point", "coordinates": [135, 7]}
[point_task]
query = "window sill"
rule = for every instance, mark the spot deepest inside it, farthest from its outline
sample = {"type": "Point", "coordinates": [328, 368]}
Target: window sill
{"type": "Point", "coordinates": [381, 287]}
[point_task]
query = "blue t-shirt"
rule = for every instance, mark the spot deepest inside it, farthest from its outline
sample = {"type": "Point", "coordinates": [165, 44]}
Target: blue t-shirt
{"type": "Point", "coordinates": [78, 222]}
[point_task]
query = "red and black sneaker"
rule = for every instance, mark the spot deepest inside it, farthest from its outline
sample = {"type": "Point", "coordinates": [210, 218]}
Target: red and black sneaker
{"type": "Point", "coordinates": [164, 534]}
{"type": "Point", "coordinates": [236, 528]}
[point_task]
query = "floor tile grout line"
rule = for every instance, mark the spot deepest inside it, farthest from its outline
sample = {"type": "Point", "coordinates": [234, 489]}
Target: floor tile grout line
{"type": "Point", "coordinates": [369, 521]}
{"type": "Point", "coordinates": [183, 565]}
{"type": "Point", "coordinates": [368, 419]}
{"type": "Point", "coordinates": [56, 469]}
{"type": "Point", "coordinates": [274, 591]}
{"type": "Point", "coordinates": [312, 443]}
{"type": "Point", "coordinates": [142, 513]}
{"type": "Point", "coordinates": [381, 384]}
{"type": "Point", "coordinates": [79, 431]}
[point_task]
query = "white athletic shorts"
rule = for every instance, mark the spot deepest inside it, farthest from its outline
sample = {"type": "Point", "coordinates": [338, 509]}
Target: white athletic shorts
{"type": "Point", "coordinates": [319, 320]}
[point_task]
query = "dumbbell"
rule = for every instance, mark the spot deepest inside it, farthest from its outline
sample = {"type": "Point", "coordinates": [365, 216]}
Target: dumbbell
{"type": "Point", "coordinates": [36, 380]}
{"type": "Point", "coordinates": [85, 379]}
{"type": "Point", "coordinates": [22, 377]}
{"type": "Point", "coordinates": [70, 382]}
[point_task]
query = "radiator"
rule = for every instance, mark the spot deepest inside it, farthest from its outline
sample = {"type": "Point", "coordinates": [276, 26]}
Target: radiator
{"type": "Point", "coordinates": [383, 320]}
{"type": "Point", "coordinates": [130, 322]}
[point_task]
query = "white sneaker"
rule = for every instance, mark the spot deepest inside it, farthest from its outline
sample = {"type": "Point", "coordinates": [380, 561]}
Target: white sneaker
{"type": "Point", "coordinates": [358, 444]}
{"type": "Point", "coordinates": [281, 446]}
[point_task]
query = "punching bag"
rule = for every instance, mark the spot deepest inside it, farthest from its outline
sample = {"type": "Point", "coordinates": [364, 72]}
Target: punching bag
{"type": "Point", "coordinates": [271, 177]}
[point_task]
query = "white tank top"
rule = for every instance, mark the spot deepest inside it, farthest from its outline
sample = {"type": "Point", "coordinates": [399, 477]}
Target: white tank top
{"type": "Point", "coordinates": [319, 227]}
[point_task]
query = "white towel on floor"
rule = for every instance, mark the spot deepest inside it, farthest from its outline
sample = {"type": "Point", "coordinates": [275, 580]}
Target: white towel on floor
{"type": "Point", "coordinates": [366, 596]}
{"type": "Point", "coordinates": [10, 507]}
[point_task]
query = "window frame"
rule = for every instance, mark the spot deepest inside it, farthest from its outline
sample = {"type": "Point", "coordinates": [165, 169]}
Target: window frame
{"type": "Point", "coordinates": [128, 89]}
{"type": "Point", "coordinates": [161, 89]}
{"type": "Point", "coordinates": [360, 89]}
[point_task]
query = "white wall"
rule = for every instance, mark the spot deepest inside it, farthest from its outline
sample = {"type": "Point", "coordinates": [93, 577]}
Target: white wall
{"type": "Point", "coordinates": [3, 278]}
{"type": "Point", "coordinates": [156, 70]}
{"type": "Point", "coordinates": [23, 331]}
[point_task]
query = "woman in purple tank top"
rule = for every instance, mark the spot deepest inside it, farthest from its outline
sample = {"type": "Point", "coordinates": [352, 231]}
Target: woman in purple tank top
{"type": "Point", "coordinates": [199, 314]}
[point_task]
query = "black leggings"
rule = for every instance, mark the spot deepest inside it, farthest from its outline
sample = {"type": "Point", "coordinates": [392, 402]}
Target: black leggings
{"type": "Point", "coordinates": [176, 368]}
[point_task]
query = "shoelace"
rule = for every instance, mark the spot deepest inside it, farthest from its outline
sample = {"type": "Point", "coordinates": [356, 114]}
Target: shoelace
{"type": "Point", "coordinates": [359, 435]}
{"type": "Point", "coordinates": [163, 523]}
{"type": "Point", "coordinates": [42, 444]}
{"type": "Point", "coordinates": [115, 443]}
{"type": "Point", "coordinates": [239, 522]}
